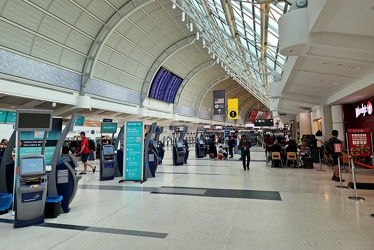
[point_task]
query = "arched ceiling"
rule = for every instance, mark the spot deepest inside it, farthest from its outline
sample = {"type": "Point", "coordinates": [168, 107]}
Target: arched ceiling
{"type": "Point", "coordinates": [125, 42]}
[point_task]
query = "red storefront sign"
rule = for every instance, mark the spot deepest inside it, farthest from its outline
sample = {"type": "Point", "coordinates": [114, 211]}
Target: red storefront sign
{"type": "Point", "coordinates": [359, 142]}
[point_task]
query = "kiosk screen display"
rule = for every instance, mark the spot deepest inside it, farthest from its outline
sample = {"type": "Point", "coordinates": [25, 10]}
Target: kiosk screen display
{"type": "Point", "coordinates": [201, 142]}
{"type": "Point", "coordinates": [32, 166]}
{"type": "Point", "coordinates": [179, 144]}
{"type": "Point", "coordinates": [108, 150]}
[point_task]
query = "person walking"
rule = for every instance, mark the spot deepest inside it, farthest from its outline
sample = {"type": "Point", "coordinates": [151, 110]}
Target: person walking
{"type": "Point", "coordinates": [244, 146]}
{"type": "Point", "coordinates": [334, 149]}
{"type": "Point", "coordinates": [85, 152]}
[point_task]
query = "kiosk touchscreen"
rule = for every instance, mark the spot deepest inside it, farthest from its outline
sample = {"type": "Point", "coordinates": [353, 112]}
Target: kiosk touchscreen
{"type": "Point", "coordinates": [107, 160]}
{"type": "Point", "coordinates": [31, 190]}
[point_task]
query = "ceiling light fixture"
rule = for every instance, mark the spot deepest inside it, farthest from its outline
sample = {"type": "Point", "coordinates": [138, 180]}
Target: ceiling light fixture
{"type": "Point", "coordinates": [333, 82]}
{"type": "Point", "coordinates": [191, 27]}
{"type": "Point", "coordinates": [183, 16]}
{"type": "Point", "coordinates": [354, 67]}
{"type": "Point", "coordinates": [197, 35]}
{"type": "Point", "coordinates": [173, 6]}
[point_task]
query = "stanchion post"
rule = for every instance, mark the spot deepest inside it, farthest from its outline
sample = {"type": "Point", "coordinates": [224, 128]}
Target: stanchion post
{"type": "Point", "coordinates": [340, 176]}
{"type": "Point", "coordinates": [320, 160]}
{"type": "Point", "coordinates": [356, 197]}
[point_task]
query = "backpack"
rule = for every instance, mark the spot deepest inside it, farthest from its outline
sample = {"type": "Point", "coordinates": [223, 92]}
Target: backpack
{"type": "Point", "coordinates": [91, 145]}
{"type": "Point", "coordinates": [329, 146]}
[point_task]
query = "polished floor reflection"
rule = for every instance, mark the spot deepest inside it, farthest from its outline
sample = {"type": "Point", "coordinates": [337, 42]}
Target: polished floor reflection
{"type": "Point", "coordinates": [208, 204]}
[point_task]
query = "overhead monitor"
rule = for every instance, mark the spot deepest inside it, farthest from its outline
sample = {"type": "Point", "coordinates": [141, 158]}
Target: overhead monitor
{"type": "Point", "coordinates": [165, 86]}
{"type": "Point", "coordinates": [108, 127]}
{"type": "Point", "coordinates": [31, 120]}
{"type": "Point", "coordinates": [32, 165]}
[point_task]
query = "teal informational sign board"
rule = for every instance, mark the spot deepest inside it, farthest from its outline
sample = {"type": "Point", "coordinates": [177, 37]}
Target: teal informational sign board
{"type": "Point", "coordinates": [79, 121]}
{"type": "Point", "coordinates": [133, 151]}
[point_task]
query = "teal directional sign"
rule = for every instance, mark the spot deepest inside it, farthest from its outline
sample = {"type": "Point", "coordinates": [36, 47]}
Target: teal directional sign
{"type": "Point", "coordinates": [133, 151]}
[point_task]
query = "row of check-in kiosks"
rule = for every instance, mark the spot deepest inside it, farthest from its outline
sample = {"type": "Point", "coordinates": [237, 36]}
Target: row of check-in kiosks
{"type": "Point", "coordinates": [35, 188]}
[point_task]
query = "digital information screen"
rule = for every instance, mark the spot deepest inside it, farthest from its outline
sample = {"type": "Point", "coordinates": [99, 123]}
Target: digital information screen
{"type": "Point", "coordinates": [165, 86]}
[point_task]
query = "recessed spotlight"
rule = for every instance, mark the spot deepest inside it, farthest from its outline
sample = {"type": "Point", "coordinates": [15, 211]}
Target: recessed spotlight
{"type": "Point", "coordinates": [326, 62]}
{"type": "Point", "coordinates": [12, 107]}
{"type": "Point", "coordinates": [333, 83]}
{"type": "Point", "coordinates": [354, 67]}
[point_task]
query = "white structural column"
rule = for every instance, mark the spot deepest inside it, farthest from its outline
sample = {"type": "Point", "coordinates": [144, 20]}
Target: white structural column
{"type": "Point", "coordinates": [337, 120]}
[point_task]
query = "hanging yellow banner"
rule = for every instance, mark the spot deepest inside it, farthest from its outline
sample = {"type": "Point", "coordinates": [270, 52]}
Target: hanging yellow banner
{"type": "Point", "coordinates": [232, 109]}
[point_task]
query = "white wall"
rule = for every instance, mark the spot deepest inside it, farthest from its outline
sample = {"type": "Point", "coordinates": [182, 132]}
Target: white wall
{"type": "Point", "coordinates": [6, 131]}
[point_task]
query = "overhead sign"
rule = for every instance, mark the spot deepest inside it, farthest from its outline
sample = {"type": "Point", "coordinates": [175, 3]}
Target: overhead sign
{"type": "Point", "coordinates": [219, 105]}
{"type": "Point", "coordinates": [133, 153]}
{"type": "Point", "coordinates": [233, 109]}
{"type": "Point", "coordinates": [108, 127]}
{"type": "Point", "coordinates": [107, 120]}
{"type": "Point", "coordinates": [364, 109]}
{"type": "Point", "coordinates": [79, 121]}
{"type": "Point", "coordinates": [264, 122]}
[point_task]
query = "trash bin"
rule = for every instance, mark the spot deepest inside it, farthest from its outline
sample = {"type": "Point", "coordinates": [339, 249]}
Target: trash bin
{"type": "Point", "coordinates": [5, 202]}
{"type": "Point", "coordinates": [52, 206]}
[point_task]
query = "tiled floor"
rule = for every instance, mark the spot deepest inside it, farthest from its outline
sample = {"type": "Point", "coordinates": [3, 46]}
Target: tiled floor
{"type": "Point", "coordinates": [208, 204]}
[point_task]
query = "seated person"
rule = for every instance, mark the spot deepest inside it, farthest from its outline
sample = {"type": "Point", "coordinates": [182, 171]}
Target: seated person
{"type": "Point", "coordinates": [302, 154]}
{"type": "Point", "coordinates": [291, 147]}
{"type": "Point", "coordinates": [276, 147]}
{"type": "Point", "coordinates": [222, 154]}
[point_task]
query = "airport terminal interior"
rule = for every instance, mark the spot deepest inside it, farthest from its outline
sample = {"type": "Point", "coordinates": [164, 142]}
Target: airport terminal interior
{"type": "Point", "coordinates": [157, 87]}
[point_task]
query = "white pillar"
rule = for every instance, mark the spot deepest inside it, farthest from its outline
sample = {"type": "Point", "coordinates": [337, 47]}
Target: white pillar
{"type": "Point", "coordinates": [337, 120]}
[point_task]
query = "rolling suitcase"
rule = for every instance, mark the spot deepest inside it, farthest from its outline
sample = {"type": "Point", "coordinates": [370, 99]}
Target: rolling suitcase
{"type": "Point", "coordinates": [308, 162]}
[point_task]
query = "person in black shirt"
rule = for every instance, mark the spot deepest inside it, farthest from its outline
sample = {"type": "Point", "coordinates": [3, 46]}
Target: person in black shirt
{"type": "Point", "coordinates": [334, 148]}
{"type": "Point", "coordinates": [244, 146]}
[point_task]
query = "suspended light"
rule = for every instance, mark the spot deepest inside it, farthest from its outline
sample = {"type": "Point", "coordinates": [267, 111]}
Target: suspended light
{"type": "Point", "coordinates": [213, 56]}
{"type": "Point", "coordinates": [191, 27]}
{"type": "Point", "coordinates": [222, 64]}
{"type": "Point", "coordinates": [183, 16]}
{"type": "Point", "coordinates": [174, 6]}
{"type": "Point", "coordinates": [197, 35]}
{"type": "Point", "coordinates": [209, 51]}
{"type": "Point", "coordinates": [217, 59]}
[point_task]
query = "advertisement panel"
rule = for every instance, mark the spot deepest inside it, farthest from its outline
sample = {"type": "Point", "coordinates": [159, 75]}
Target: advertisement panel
{"type": "Point", "coordinates": [133, 153]}
{"type": "Point", "coordinates": [253, 115]}
{"type": "Point", "coordinates": [359, 141]}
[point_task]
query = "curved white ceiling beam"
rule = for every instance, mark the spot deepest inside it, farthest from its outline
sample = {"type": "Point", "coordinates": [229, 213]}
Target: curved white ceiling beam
{"type": "Point", "coordinates": [160, 60]}
{"type": "Point", "coordinates": [106, 31]}
{"type": "Point", "coordinates": [207, 88]}
{"type": "Point", "coordinates": [189, 76]}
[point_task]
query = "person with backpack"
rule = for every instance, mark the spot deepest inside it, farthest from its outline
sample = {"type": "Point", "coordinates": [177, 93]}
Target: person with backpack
{"type": "Point", "coordinates": [334, 148]}
{"type": "Point", "coordinates": [85, 152]}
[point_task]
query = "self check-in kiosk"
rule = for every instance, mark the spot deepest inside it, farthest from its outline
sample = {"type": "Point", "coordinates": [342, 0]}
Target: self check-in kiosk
{"type": "Point", "coordinates": [31, 181]}
{"type": "Point", "coordinates": [108, 153]}
{"type": "Point", "coordinates": [179, 149]}
{"type": "Point", "coordinates": [31, 191]}
{"type": "Point", "coordinates": [107, 161]}
{"type": "Point", "coordinates": [63, 180]}
{"type": "Point", "coordinates": [200, 145]}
